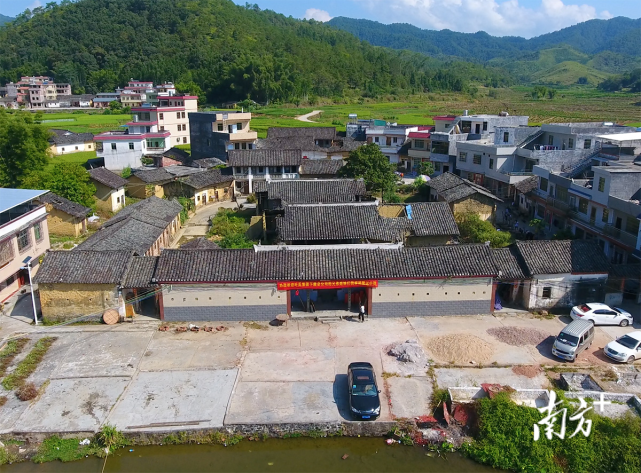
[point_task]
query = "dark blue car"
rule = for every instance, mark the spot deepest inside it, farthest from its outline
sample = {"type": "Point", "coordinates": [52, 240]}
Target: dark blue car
{"type": "Point", "coordinates": [364, 402]}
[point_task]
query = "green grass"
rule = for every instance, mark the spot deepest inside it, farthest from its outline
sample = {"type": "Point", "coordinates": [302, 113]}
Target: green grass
{"type": "Point", "coordinates": [65, 450]}
{"type": "Point", "coordinates": [85, 121]}
{"type": "Point", "coordinates": [80, 157]}
{"type": "Point", "coordinates": [9, 352]}
{"type": "Point", "coordinates": [27, 366]}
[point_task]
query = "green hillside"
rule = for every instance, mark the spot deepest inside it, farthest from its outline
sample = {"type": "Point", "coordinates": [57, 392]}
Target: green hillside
{"type": "Point", "coordinates": [5, 19]}
{"type": "Point", "coordinates": [216, 49]}
{"type": "Point", "coordinates": [568, 73]}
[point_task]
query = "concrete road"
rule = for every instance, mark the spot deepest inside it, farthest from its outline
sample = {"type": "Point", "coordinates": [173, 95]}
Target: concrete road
{"type": "Point", "coordinates": [305, 118]}
{"type": "Point", "coordinates": [198, 224]}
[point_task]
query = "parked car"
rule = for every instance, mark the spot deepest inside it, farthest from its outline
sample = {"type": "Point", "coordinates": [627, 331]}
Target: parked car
{"type": "Point", "coordinates": [625, 349]}
{"type": "Point", "coordinates": [573, 339]}
{"type": "Point", "coordinates": [601, 314]}
{"type": "Point", "coordinates": [364, 402]}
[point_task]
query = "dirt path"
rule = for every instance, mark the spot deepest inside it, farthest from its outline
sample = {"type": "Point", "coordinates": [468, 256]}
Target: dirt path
{"type": "Point", "coordinates": [305, 118]}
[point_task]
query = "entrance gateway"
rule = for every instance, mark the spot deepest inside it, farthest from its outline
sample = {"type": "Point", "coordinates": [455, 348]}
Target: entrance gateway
{"type": "Point", "coordinates": [343, 297]}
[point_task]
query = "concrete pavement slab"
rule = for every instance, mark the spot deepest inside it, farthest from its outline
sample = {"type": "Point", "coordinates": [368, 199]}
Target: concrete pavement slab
{"type": "Point", "coordinates": [289, 365]}
{"type": "Point", "coordinates": [314, 335]}
{"type": "Point", "coordinates": [462, 377]}
{"type": "Point", "coordinates": [284, 337]}
{"type": "Point", "coordinates": [283, 402]}
{"type": "Point", "coordinates": [175, 397]}
{"type": "Point", "coordinates": [373, 332]}
{"type": "Point", "coordinates": [410, 396]}
{"type": "Point", "coordinates": [102, 354]}
{"type": "Point", "coordinates": [72, 405]}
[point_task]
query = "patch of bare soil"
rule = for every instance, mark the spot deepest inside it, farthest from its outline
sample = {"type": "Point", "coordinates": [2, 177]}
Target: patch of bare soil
{"type": "Point", "coordinates": [460, 349]}
{"type": "Point", "coordinates": [518, 336]}
{"type": "Point", "coordinates": [528, 371]}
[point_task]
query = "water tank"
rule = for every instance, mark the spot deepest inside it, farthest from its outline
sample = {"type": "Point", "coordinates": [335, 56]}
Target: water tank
{"type": "Point", "coordinates": [465, 113]}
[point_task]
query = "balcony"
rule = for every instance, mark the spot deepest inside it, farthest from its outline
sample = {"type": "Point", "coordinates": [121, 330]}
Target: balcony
{"type": "Point", "coordinates": [558, 204]}
{"type": "Point", "coordinates": [624, 237]}
{"type": "Point", "coordinates": [418, 153]}
{"type": "Point", "coordinates": [242, 136]}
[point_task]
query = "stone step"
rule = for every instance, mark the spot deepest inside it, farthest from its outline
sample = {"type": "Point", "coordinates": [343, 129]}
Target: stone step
{"type": "Point", "coordinates": [328, 319]}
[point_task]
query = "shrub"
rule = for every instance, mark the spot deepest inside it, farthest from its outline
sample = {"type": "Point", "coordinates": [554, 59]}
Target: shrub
{"type": "Point", "coordinates": [475, 230]}
{"type": "Point", "coordinates": [391, 197]}
{"type": "Point", "coordinates": [236, 240]}
{"type": "Point", "coordinates": [27, 392]}
{"type": "Point", "coordinates": [251, 199]}
{"type": "Point", "coordinates": [126, 172]}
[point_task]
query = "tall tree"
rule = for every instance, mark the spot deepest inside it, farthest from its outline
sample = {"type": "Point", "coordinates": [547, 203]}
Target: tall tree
{"type": "Point", "coordinates": [68, 180]}
{"type": "Point", "coordinates": [370, 164]}
{"type": "Point", "coordinates": [24, 147]}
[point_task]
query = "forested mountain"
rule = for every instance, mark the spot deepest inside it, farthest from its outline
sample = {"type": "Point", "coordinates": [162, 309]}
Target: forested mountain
{"type": "Point", "coordinates": [618, 35]}
{"type": "Point", "coordinates": [214, 48]}
{"type": "Point", "coordinates": [5, 19]}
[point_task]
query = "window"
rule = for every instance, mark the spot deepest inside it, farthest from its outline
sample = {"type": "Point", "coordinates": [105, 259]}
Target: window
{"type": "Point", "coordinates": [491, 163]}
{"type": "Point", "coordinates": [220, 127]}
{"type": "Point", "coordinates": [261, 170]}
{"type": "Point", "coordinates": [571, 143]}
{"type": "Point", "coordinates": [63, 150]}
{"type": "Point", "coordinates": [184, 139]}
{"type": "Point", "coordinates": [76, 148]}
{"type": "Point", "coordinates": [543, 184]}
{"type": "Point", "coordinates": [244, 145]}
{"type": "Point", "coordinates": [236, 145]}
{"type": "Point", "coordinates": [462, 157]}
{"type": "Point", "coordinates": [113, 146]}
{"type": "Point", "coordinates": [587, 144]}
{"type": "Point", "coordinates": [162, 128]}
{"type": "Point", "coordinates": [550, 140]}
{"type": "Point", "coordinates": [547, 292]}
{"type": "Point", "coordinates": [6, 252]}
{"type": "Point", "coordinates": [161, 116]}
{"type": "Point", "coordinates": [437, 167]}
{"type": "Point", "coordinates": [239, 126]}
{"type": "Point", "coordinates": [376, 139]}
{"type": "Point", "coordinates": [484, 126]}
{"type": "Point", "coordinates": [470, 176]}
{"type": "Point", "coordinates": [477, 159]}
{"type": "Point", "coordinates": [605, 216]}
{"type": "Point", "coordinates": [177, 114]}
{"type": "Point", "coordinates": [147, 129]}
{"type": "Point", "coordinates": [506, 136]}
{"type": "Point", "coordinates": [23, 240]}
{"type": "Point", "coordinates": [37, 231]}
{"type": "Point", "coordinates": [562, 193]}
{"type": "Point", "coordinates": [583, 205]}
{"type": "Point", "coordinates": [419, 144]}
{"type": "Point", "coordinates": [183, 114]}
{"type": "Point", "coordinates": [632, 225]}
{"type": "Point", "coordinates": [131, 146]}
{"type": "Point", "coordinates": [395, 140]}
{"type": "Point", "coordinates": [184, 127]}
{"type": "Point", "coordinates": [117, 200]}
{"type": "Point", "coordinates": [601, 184]}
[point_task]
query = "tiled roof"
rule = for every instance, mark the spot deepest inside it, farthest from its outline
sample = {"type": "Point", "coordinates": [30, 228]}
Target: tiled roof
{"type": "Point", "coordinates": [339, 222]}
{"type": "Point", "coordinates": [108, 178]}
{"type": "Point", "coordinates": [307, 143]}
{"type": "Point", "coordinates": [65, 205]}
{"type": "Point", "coordinates": [527, 185]}
{"type": "Point", "coordinates": [321, 166]}
{"type": "Point", "coordinates": [134, 228]}
{"type": "Point", "coordinates": [432, 219]}
{"type": "Point", "coordinates": [177, 154]}
{"type": "Point", "coordinates": [562, 256]}
{"type": "Point", "coordinates": [418, 135]}
{"type": "Point", "coordinates": [509, 263]}
{"type": "Point", "coordinates": [452, 187]}
{"type": "Point", "coordinates": [83, 267]}
{"type": "Point", "coordinates": [66, 137]}
{"type": "Point", "coordinates": [153, 176]}
{"type": "Point", "coordinates": [264, 157]}
{"type": "Point", "coordinates": [140, 272]}
{"type": "Point", "coordinates": [206, 163]}
{"type": "Point", "coordinates": [206, 179]}
{"type": "Point", "coordinates": [315, 132]}
{"type": "Point", "coordinates": [324, 264]}
{"type": "Point", "coordinates": [312, 191]}
{"type": "Point", "coordinates": [199, 243]}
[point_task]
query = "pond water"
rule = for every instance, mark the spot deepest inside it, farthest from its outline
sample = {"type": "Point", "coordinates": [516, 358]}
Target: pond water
{"type": "Point", "coordinates": [288, 455]}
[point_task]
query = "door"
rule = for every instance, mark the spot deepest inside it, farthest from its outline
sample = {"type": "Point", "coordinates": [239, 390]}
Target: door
{"type": "Point", "coordinates": [446, 169]}
{"type": "Point", "coordinates": [600, 316]}
{"type": "Point", "coordinates": [614, 317]}
{"type": "Point", "coordinates": [593, 215]}
{"type": "Point", "coordinates": [478, 128]}
{"type": "Point", "coordinates": [618, 222]}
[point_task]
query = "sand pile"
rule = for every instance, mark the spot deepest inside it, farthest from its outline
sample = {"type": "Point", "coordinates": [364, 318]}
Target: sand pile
{"type": "Point", "coordinates": [518, 336]}
{"type": "Point", "coordinates": [460, 349]}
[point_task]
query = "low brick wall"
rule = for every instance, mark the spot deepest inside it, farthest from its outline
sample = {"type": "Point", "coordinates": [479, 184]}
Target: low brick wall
{"type": "Point", "coordinates": [405, 309]}
{"type": "Point", "coordinates": [240, 313]}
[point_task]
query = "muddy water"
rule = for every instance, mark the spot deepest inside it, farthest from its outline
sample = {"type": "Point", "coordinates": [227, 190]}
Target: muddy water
{"type": "Point", "coordinates": [290, 455]}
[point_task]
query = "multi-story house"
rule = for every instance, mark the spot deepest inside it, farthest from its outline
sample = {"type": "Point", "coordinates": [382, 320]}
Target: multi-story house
{"type": "Point", "coordinates": [103, 99]}
{"type": "Point", "coordinates": [153, 130]}
{"type": "Point", "coordinates": [37, 91]}
{"type": "Point", "coordinates": [24, 237]}
{"type": "Point", "coordinates": [419, 148]}
{"type": "Point", "coordinates": [392, 140]}
{"type": "Point", "coordinates": [215, 133]}
{"type": "Point", "coordinates": [598, 200]}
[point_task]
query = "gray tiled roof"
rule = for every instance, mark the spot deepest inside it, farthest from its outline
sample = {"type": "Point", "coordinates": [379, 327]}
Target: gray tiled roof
{"type": "Point", "coordinates": [315, 132]}
{"type": "Point", "coordinates": [66, 137]}
{"type": "Point", "coordinates": [508, 261]}
{"type": "Point", "coordinates": [562, 256]}
{"type": "Point", "coordinates": [153, 176]}
{"type": "Point", "coordinates": [324, 264]}
{"type": "Point", "coordinates": [321, 166]}
{"type": "Point", "coordinates": [177, 154]}
{"type": "Point", "coordinates": [199, 243]}
{"type": "Point", "coordinates": [307, 143]}
{"type": "Point", "coordinates": [206, 179]}
{"type": "Point", "coordinates": [206, 163]}
{"type": "Point", "coordinates": [452, 187]}
{"type": "Point", "coordinates": [107, 178]}
{"type": "Point", "coordinates": [65, 205]}
{"type": "Point", "coordinates": [83, 267]}
{"type": "Point", "coordinates": [527, 185]}
{"type": "Point", "coordinates": [433, 219]}
{"type": "Point", "coordinates": [134, 228]}
{"type": "Point", "coordinates": [264, 157]}
{"type": "Point", "coordinates": [141, 271]}
{"type": "Point", "coordinates": [339, 222]}
{"type": "Point", "coordinates": [312, 191]}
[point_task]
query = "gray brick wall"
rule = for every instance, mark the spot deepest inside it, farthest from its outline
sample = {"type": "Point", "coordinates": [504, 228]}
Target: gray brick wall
{"type": "Point", "coordinates": [408, 309]}
{"type": "Point", "coordinates": [224, 313]}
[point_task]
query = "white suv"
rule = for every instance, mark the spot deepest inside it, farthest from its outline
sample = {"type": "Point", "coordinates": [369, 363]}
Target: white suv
{"type": "Point", "coordinates": [601, 314]}
{"type": "Point", "coordinates": [625, 349]}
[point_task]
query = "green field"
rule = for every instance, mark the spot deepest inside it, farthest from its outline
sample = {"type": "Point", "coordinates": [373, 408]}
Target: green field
{"type": "Point", "coordinates": [84, 122]}
{"type": "Point", "coordinates": [77, 158]}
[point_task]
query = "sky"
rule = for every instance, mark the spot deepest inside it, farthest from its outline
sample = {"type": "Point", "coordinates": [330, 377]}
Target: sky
{"type": "Point", "coordinates": [525, 18]}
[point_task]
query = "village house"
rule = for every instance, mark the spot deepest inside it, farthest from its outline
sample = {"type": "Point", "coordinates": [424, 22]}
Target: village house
{"type": "Point", "coordinates": [274, 195]}
{"type": "Point", "coordinates": [249, 166]}
{"type": "Point", "coordinates": [37, 92]}
{"type": "Point", "coordinates": [199, 243]}
{"type": "Point", "coordinates": [110, 189]}
{"type": "Point", "coordinates": [203, 188]}
{"type": "Point", "coordinates": [65, 217]}
{"type": "Point", "coordinates": [393, 140]}
{"type": "Point", "coordinates": [66, 142]}
{"type": "Point", "coordinates": [24, 237]}
{"type": "Point", "coordinates": [213, 134]}
{"type": "Point", "coordinates": [463, 196]}
{"type": "Point", "coordinates": [144, 228]}
{"type": "Point", "coordinates": [172, 157]}
{"type": "Point", "coordinates": [312, 142]}
{"type": "Point", "coordinates": [419, 149]}
{"type": "Point", "coordinates": [146, 182]}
